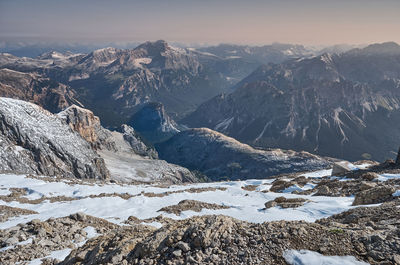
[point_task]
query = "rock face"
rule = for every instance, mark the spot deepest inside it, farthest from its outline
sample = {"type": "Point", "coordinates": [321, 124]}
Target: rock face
{"type": "Point", "coordinates": [88, 126]}
{"type": "Point", "coordinates": [345, 106]}
{"type": "Point", "coordinates": [219, 156]}
{"type": "Point", "coordinates": [125, 154]}
{"type": "Point", "coordinates": [35, 141]}
{"type": "Point", "coordinates": [35, 88]}
{"type": "Point", "coordinates": [137, 144]}
{"type": "Point", "coordinates": [153, 123]}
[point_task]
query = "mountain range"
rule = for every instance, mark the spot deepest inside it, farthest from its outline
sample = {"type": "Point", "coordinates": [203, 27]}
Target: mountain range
{"type": "Point", "coordinates": [341, 105]}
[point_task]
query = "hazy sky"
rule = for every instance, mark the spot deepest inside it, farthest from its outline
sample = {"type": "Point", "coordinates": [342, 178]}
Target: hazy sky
{"type": "Point", "coordinates": [203, 21]}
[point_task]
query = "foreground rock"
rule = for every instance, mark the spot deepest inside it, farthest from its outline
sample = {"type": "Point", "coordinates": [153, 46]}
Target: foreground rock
{"type": "Point", "coordinates": [374, 195]}
{"type": "Point", "coordinates": [219, 156]}
{"type": "Point", "coordinates": [38, 239]}
{"type": "Point", "coordinates": [225, 240]}
{"type": "Point", "coordinates": [285, 202]}
{"type": "Point", "coordinates": [32, 140]}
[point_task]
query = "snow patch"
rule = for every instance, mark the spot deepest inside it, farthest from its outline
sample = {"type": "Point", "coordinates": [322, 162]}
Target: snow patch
{"type": "Point", "coordinates": [244, 205]}
{"type": "Point", "coordinates": [307, 257]}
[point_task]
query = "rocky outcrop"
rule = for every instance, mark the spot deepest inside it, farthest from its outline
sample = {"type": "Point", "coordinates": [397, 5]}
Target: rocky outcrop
{"type": "Point", "coordinates": [285, 202]}
{"type": "Point", "coordinates": [127, 157]}
{"type": "Point", "coordinates": [88, 126]}
{"type": "Point", "coordinates": [221, 157]}
{"type": "Point", "coordinates": [340, 168]}
{"type": "Point", "coordinates": [374, 195]}
{"type": "Point", "coordinates": [35, 141]}
{"type": "Point", "coordinates": [136, 142]}
{"type": "Point", "coordinates": [225, 240]}
{"type": "Point", "coordinates": [191, 205]}
{"type": "Point", "coordinates": [35, 88]}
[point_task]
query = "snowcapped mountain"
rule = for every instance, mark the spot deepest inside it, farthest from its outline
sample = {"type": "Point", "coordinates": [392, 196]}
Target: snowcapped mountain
{"type": "Point", "coordinates": [338, 105]}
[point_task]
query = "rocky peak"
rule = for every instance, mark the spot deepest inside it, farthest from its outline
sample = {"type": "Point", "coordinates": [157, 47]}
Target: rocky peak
{"type": "Point", "coordinates": [88, 126]}
{"type": "Point", "coordinates": [32, 140]}
{"type": "Point", "coordinates": [83, 121]}
{"type": "Point", "coordinates": [153, 48]}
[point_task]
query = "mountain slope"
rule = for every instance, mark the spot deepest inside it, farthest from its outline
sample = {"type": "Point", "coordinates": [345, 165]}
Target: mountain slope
{"type": "Point", "coordinates": [337, 105]}
{"type": "Point", "coordinates": [219, 156]}
{"type": "Point", "coordinates": [126, 156]}
{"type": "Point", "coordinates": [35, 141]}
{"type": "Point", "coordinates": [38, 89]}
{"type": "Point", "coordinates": [153, 123]}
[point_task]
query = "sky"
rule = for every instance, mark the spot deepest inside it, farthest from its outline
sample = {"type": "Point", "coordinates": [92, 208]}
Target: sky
{"type": "Point", "coordinates": [309, 22]}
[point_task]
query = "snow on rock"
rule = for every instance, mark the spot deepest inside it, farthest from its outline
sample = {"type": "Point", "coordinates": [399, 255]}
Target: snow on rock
{"type": "Point", "coordinates": [32, 140]}
{"type": "Point", "coordinates": [243, 205]}
{"type": "Point", "coordinates": [387, 176]}
{"type": "Point", "coordinates": [307, 257]}
{"type": "Point", "coordinates": [58, 254]}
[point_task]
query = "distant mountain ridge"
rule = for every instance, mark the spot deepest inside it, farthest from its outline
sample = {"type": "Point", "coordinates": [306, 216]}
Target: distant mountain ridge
{"type": "Point", "coordinates": [220, 157]}
{"type": "Point", "coordinates": [115, 83]}
{"type": "Point", "coordinates": [343, 105]}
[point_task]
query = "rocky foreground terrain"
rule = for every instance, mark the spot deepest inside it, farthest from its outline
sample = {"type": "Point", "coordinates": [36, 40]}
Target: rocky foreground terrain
{"type": "Point", "coordinates": [351, 217]}
{"type": "Point", "coordinates": [74, 192]}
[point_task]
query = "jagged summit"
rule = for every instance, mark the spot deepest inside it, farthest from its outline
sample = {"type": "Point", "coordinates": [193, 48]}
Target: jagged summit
{"type": "Point", "coordinates": [153, 48]}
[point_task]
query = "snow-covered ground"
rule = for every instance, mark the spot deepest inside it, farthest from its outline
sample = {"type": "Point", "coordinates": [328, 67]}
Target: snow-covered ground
{"type": "Point", "coordinates": [244, 205]}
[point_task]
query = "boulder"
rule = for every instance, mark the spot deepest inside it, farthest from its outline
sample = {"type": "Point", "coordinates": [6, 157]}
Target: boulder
{"type": "Point", "coordinates": [285, 202]}
{"type": "Point", "coordinates": [340, 168]}
{"type": "Point", "coordinates": [374, 195]}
